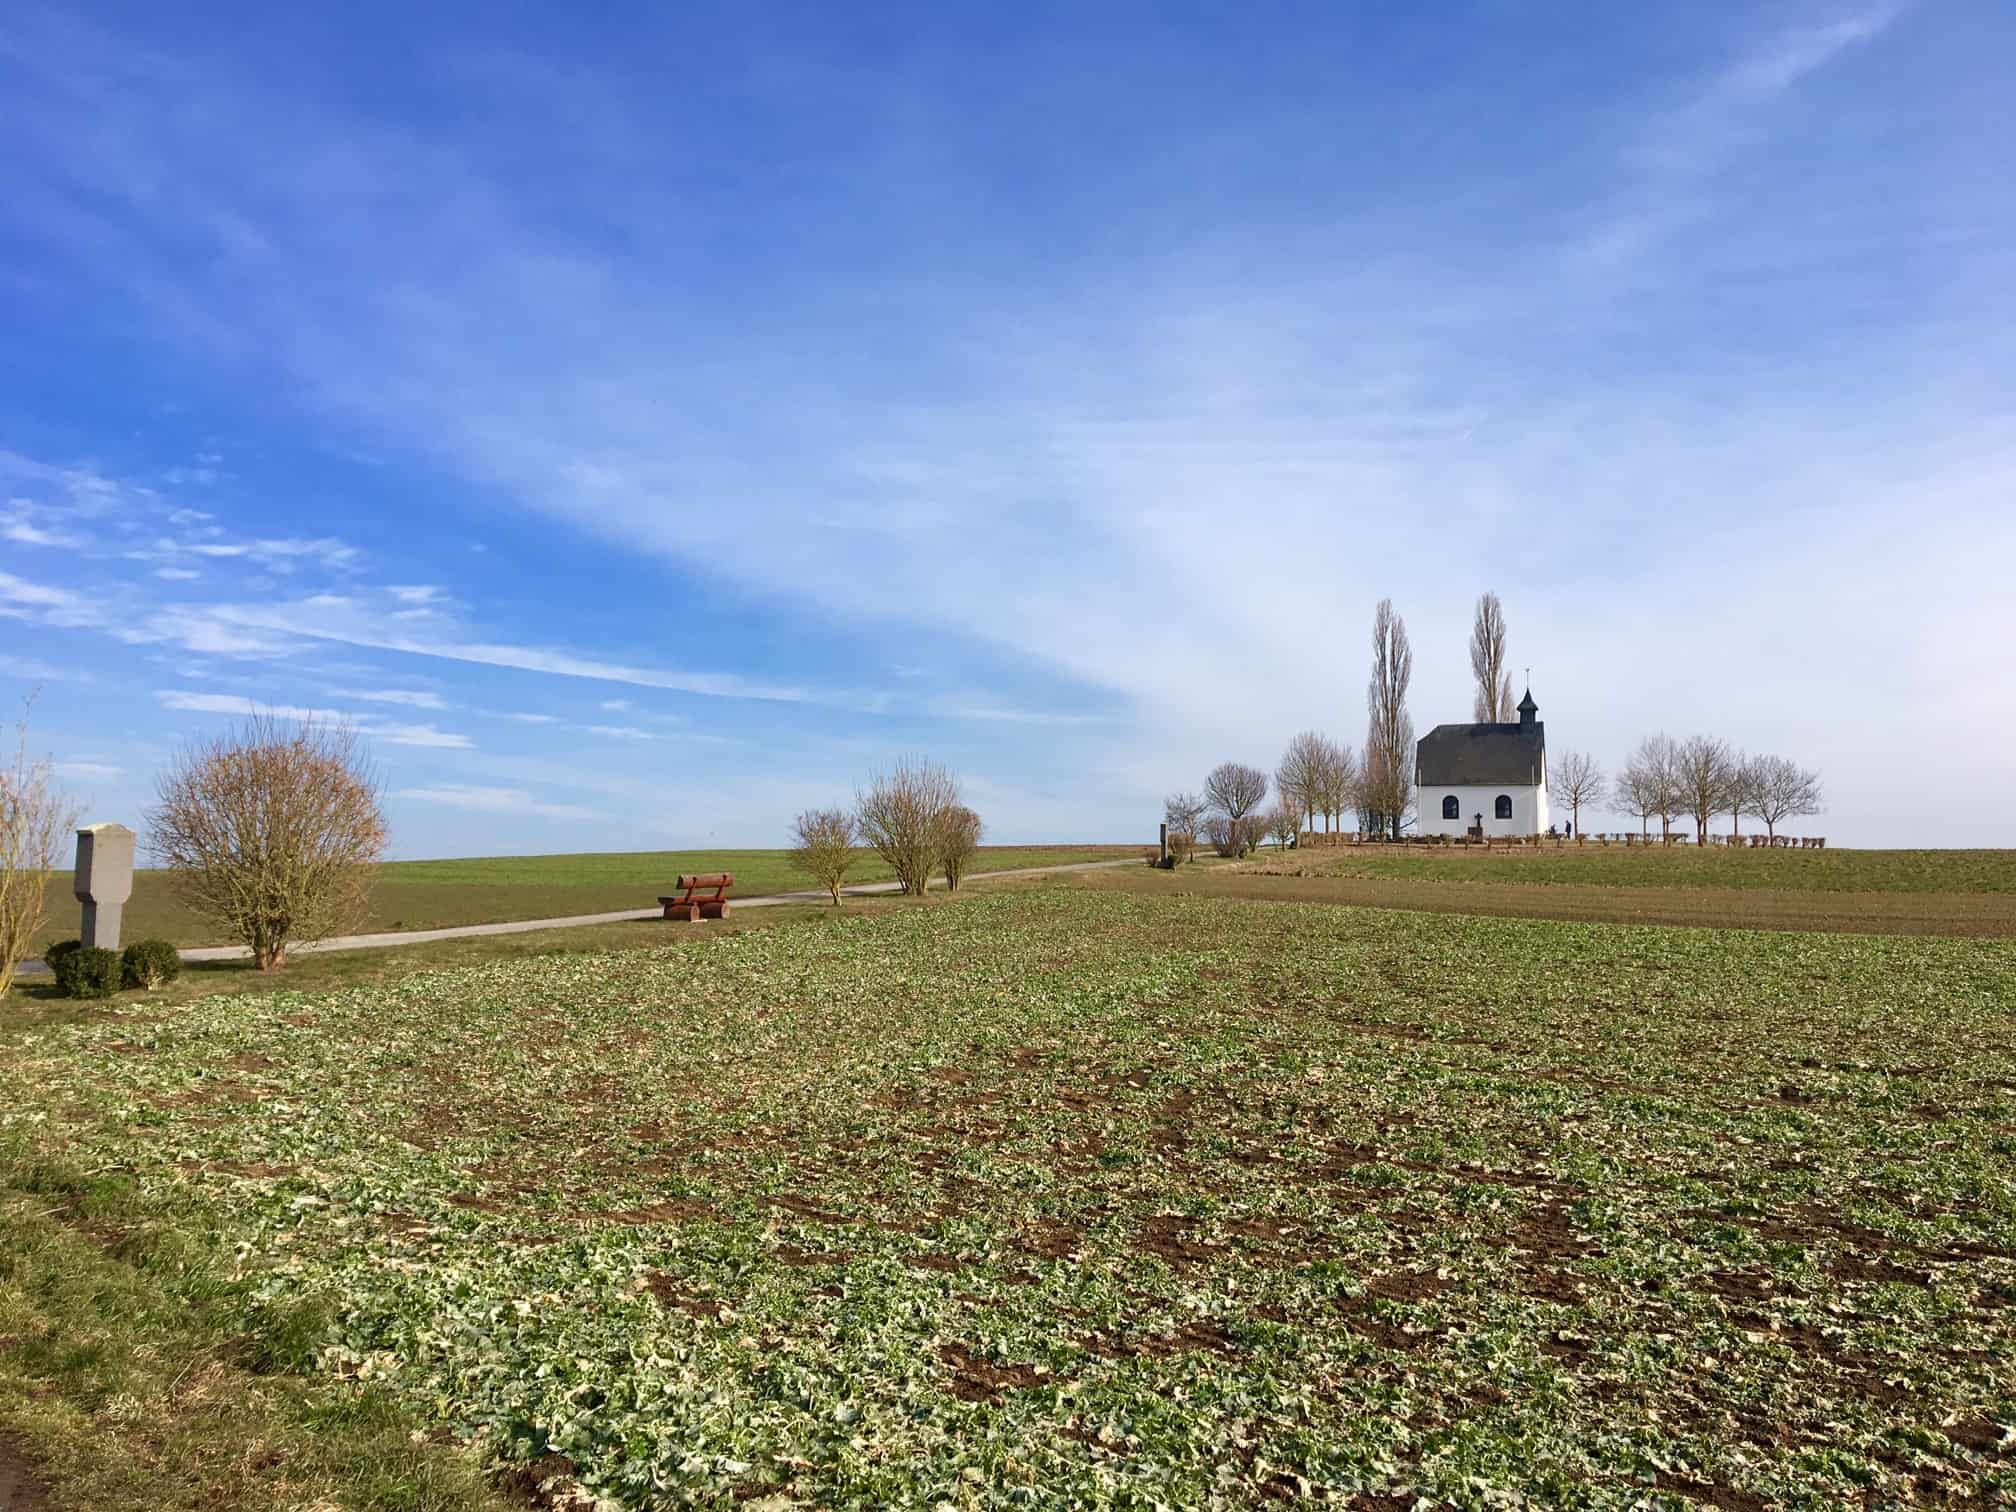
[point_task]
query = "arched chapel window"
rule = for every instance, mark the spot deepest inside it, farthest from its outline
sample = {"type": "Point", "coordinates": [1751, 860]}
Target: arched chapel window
{"type": "Point", "coordinates": [1504, 809]}
{"type": "Point", "coordinates": [1450, 808]}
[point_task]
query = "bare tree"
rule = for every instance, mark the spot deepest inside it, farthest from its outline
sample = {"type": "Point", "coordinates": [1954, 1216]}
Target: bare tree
{"type": "Point", "coordinates": [34, 819]}
{"type": "Point", "coordinates": [822, 847]}
{"type": "Point", "coordinates": [1387, 782]}
{"type": "Point", "coordinates": [273, 830]}
{"type": "Point", "coordinates": [1284, 823]}
{"type": "Point", "coordinates": [1183, 813]}
{"type": "Point", "coordinates": [1493, 703]}
{"type": "Point", "coordinates": [901, 814]}
{"type": "Point", "coordinates": [1300, 778]}
{"type": "Point", "coordinates": [1740, 799]}
{"type": "Point", "coordinates": [1703, 772]}
{"type": "Point", "coordinates": [1646, 787]}
{"type": "Point", "coordinates": [1650, 783]}
{"type": "Point", "coordinates": [959, 831]}
{"type": "Point", "coordinates": [1782, 789]}
{"type": "Point", "coordinates": [1579, 781]}
{"type": "Point", "coordinates": [1339, 784]}
{"type": "Point", "coordinates": [1235, 790]}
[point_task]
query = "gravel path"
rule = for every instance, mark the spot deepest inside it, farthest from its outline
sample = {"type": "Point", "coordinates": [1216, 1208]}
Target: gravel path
{"type": "Point", "coordinates": [576, 921]}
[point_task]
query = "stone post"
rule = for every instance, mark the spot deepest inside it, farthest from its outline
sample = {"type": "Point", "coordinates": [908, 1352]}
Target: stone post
{"type": "Point", "coordinates": [1165, 843]}
{"type": "Point", "coordinates": [104, 881]}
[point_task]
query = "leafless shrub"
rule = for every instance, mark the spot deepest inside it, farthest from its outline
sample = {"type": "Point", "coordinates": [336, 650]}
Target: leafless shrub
{"type": "Point", "coordinates": [1493, 703]}
{"type": "Point", "coordinates": [822, 847]}
{"type": "Point", "coordinates": [272, 830]}
{"type": "Point", "coordinates": [901, 814]}
{"type": "Point", "coordinates": [34, 819]}
{"type": "Point", "coordinates": [1579, 781]}
{"type": "Point", "coordinates": [1183, 813]}
{"type": "Point", "coordinates": [1284, 823]}
{"type": "Point", "coordinates": [959, 830]}
{"type": "Point", "coordinates": [1225, 836]}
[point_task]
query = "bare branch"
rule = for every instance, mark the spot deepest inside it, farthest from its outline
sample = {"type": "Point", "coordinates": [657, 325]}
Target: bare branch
{"type": "Point", "coordinates": [1386, 787]}
{"type": "Point", "coordinates": [35, 818]}
{"type": "Point", "coordinates": [273, 830]}
{"type": "Point", "coordinates": [1493, 703]}
{"type": "Point", "coordinates": [901, 814]}
{"type": "Point", "coordinates": [823, 847]}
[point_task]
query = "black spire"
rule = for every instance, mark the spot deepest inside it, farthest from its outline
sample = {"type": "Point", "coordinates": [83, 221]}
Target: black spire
{"type": "Point", "coordinates": [1527, 710]}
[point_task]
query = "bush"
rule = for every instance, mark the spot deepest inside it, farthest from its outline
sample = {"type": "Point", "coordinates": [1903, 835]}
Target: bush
{"type": "Point", "coordinates": [84, 971]}
{"type": "Point", "coordinates": [150, 964]}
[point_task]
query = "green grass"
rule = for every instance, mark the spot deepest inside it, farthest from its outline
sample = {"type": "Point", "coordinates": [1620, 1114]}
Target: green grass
{"type": "Point", "coordinates": [127, 1379]}
{"type": "Point", "coordinates": [1900, 871]}
{"type": "Point", "coordinates": [491, 889]}
{"type": "Point", "coordinates": [1075, 1198]}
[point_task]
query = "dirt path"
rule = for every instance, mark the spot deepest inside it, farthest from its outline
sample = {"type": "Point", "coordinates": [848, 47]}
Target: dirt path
{"type": "Point", "coordinates": [21, 1488]}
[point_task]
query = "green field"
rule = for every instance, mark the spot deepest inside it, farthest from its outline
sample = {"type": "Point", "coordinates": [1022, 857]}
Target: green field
{"type": "Point", "coordinates": [1857, 871]}
{"type": "Point", "coordinates": [1073, 1197]}
{"type": "Point", "coordinates": [492, 889]}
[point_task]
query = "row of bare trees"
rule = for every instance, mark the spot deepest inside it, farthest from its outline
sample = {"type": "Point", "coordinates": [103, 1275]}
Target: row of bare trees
{"type": "Point", "coordinates": [1703, 776]}
{"type": "Point", "coordinates": [912, 816]}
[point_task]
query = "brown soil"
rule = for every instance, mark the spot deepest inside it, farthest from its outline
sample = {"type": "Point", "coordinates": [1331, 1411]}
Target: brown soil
{"type": "Point", "coordinates": [543, 1482]}
{"type": "Point", "coordinates": [975, 1379]}
{"type": "Point", "coordinates": [1710, 1495]}
{"type": "Point", "coordinates": [672, 1210]}
{"type": "Point", "coordinates": [1985, 915]}
{"type": "Point", "coordinates": [22, 1488]}
{"type": "Point", "coordinates": [666, 1289]}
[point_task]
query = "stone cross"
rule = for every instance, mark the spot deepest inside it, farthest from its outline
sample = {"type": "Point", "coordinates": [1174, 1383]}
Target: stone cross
{"type": "Point", "coordinates": [104, 881]}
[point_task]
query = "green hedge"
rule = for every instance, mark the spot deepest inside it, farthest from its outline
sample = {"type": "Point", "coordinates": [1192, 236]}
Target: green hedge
{"type": "Point", "coordinates": [84, 971]}
{"type": "Point", "coordinates": [149, 964]}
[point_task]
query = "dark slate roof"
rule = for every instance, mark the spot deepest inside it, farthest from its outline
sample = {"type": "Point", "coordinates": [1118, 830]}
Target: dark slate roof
{"type": "Point", "coordinates": [1482, 755]}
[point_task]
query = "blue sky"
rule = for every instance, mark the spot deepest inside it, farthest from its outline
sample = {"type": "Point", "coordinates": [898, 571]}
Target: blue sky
{"type": "Point", "coordinates": [645, 423]}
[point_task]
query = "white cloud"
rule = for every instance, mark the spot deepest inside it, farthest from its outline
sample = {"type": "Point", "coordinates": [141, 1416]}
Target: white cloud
{"type": "Point", "coordinates": [411, 698]}
{"type": "Point", "coordinates": [421, 593]}
{"type": "Point", "coordinates": [620, 732]}
{"type": "Point", "coordinates": [177, 574]}
{"type": "Point", "coordinates": [54, 606]}
{"type": "Point", "coordinates": [90, 771]}
{"type": "Point", "coordinates": [531, 718]}
{"type": "Point", "coordinates": [494, 800]}
{"type": "Point", "coordinates": [33, 670]}
{"type": "Point", "coordinates": [25, 534]}
{"type": "Point", "coordinates": [616, 705]}
{"type": "Point", "coordinates": [237, 704]}
{"type": "Point", "coordinates": [417, 735]}
{"type": "Point", "coordinates": [389, 731]}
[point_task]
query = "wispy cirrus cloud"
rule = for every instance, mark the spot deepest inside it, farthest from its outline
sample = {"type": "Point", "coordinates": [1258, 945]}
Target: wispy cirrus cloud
{"type": "Point", "coordinates": [494, 800]}
{"type": "Point", "coordinates": [408, 697]}
{"type": "Point", "coordinates": [391, 732]}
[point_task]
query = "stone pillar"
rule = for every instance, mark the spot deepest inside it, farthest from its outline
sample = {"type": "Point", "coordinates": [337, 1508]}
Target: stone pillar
{"type": "Point", "coordinates": [1165, 843]}
{"type": "Point", "coordinates": [104, 881]}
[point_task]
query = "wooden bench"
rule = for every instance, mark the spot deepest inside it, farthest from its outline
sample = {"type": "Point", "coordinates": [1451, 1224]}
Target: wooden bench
{"type": "Point", "coordinates": [690, 906]}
